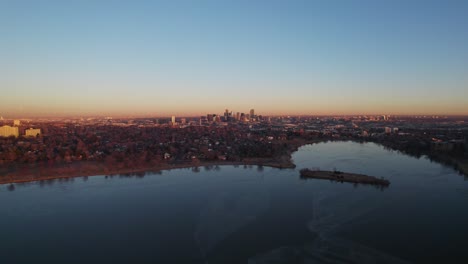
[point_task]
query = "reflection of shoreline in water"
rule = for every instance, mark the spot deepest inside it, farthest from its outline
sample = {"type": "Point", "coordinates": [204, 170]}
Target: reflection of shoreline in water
{"type": "Point", "coordinates": [88, 168]}
{"type": "Point", "coordinates": [137, 174]}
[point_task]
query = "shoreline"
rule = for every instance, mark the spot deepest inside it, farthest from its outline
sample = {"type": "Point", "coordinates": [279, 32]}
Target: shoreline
{"type": "Point", "coordinates": [37, 172]}
{"type": "Point", "coordinates": [99, 169]}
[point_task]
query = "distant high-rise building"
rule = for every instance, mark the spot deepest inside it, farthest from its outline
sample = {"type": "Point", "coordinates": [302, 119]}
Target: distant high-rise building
{"type": "Point", "coordinates": [237, 116]}
{"type": "Point", "coordinates": [242, 117]}
{"type": "Point", "coordinates": [226, 115]}
{"type": "Point", "coordinates": [16, 123]}
{"type": "Point", "coordinates": [210, 117]}
{"type": "Point", "coordinates": [183, 121]}
{"type": "Point", "coordinates": [252, 113]}
{"type": "Point", "coordinates": [7, 131]}
{"type": "Point", "coordinates": [173, 120]}
{"type": "Point", "coordinates": [32, 132]}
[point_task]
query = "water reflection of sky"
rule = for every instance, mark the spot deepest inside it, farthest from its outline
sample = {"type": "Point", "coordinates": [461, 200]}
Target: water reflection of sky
{"type": "Point", "coordinates": [240, 214]}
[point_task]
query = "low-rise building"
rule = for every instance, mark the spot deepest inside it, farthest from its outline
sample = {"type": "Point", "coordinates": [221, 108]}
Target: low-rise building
{"type": "Point", "coordinates": [7, 131]}
{"type": "Point", "coordinates": [32, 132]}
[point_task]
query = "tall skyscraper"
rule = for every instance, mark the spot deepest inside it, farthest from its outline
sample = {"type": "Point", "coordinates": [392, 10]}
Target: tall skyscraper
{"type": "Point", "coordinates": [252, 115]}
{"type": "Point", "coordinates": [226, 115]}
{"type": "Point", "coordinates": [173, 120]}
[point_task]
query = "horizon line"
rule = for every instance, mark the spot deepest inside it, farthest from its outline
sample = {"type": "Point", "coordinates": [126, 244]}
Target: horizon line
{"type": "Point", "coordinates": [198, 116]}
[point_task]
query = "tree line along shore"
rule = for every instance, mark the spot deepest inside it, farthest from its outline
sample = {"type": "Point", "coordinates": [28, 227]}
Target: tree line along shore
{"type": "Point", "coordinates": [70, 150]}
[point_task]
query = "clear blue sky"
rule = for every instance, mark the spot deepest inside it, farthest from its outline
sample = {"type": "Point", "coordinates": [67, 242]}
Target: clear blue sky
{"type": "Point", "coordinates": [192, 57]}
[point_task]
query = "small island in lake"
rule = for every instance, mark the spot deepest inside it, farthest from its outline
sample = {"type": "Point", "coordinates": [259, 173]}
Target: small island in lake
{"type": "Point", "coordinates": [343, 177]}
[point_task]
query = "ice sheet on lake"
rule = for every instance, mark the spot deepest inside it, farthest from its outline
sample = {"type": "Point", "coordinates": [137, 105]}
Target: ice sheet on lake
{"type": "Point", "coordinates": [326, 251]}
{"type": "Point", "coordinates": [328, 248]}
{"type": "Point", "coordinates": [225, 214]}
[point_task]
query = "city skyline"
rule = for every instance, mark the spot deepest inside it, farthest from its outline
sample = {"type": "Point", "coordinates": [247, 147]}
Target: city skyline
{"type": "Point", "coordinates": [65, 59]}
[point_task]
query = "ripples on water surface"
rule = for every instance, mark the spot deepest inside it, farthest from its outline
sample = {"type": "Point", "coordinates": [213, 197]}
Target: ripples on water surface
{"type": "Point", "coordinates": [245, 214]}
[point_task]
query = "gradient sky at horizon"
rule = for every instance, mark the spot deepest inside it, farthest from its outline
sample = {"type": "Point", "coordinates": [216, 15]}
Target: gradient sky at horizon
{"type": "Point", "coordinates": [159, 58]}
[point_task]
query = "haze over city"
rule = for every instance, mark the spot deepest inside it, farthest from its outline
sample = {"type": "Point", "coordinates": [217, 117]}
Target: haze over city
{"type": "Point", "coordinates": [163, 58]}
{"type": "Point", "coordinates": [233, 131]}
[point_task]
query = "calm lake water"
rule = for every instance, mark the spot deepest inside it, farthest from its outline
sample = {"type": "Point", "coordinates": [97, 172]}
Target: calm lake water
{"type": "Point", "coordinates": [245, 214]}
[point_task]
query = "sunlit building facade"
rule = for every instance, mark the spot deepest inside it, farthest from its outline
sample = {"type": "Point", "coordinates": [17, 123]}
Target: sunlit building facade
{"type": "Point", "coordinates": [32, 132]}
{"type": "Point", "coordinates": [7, 131]}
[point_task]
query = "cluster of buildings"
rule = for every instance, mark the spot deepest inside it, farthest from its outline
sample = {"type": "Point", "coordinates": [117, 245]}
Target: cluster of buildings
{"type": "Point", "coordinates": [215, 137]}
{"type": "Point", "coordinates": [226, 117]}
{"type": "Point", "coordinates": [14, 131]}
{"type": "Point", "coordinates": [230, 116]}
